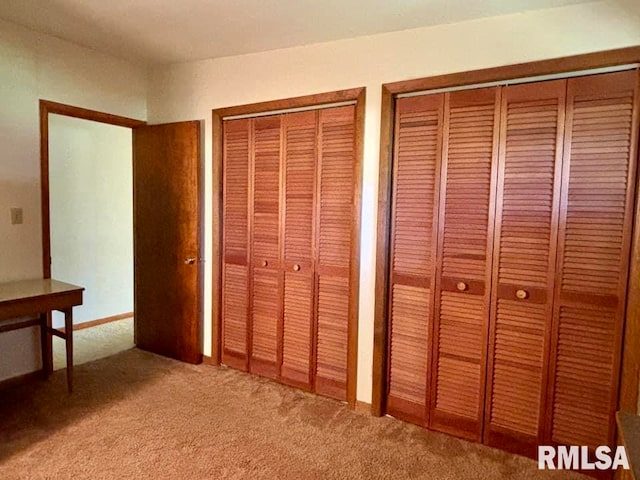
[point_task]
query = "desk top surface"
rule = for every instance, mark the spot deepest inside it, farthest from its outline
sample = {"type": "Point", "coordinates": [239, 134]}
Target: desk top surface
{"type": "Point", "coordinates": [25, 289]}
{"type": "Point", "coordinates": [629, 426]}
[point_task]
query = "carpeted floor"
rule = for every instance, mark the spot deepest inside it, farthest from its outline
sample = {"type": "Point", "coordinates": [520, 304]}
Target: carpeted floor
{"type": "Point", "coordinates": [95, 342]}
{"type": "Point", "coordinates": [135, 415]}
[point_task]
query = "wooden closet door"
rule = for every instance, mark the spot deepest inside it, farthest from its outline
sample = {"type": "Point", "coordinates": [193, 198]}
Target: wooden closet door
{"type": "Point", "coordinates": [461, 320]}
{"type": "Point", "coordinates": [235, 251]}
{"type": "Point", "coordinates": [300, 153]}
{"type": "Point", "coordinates": [595, 230]}
{"type": "Point", "coordinates": [336, 182]}
{"type": "Point", "coordinates": [416, 171]}
{"type": "Point", "coordinates": [532, 120]}
{"type": "Point", "coordinates": [265, 246]}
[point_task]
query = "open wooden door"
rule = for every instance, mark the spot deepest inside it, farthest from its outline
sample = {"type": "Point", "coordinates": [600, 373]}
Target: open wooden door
{"type": "Point", "coordinates": [167, 231]}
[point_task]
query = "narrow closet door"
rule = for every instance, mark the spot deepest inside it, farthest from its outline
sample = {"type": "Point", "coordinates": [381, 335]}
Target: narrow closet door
{"type": "Point", "coordinates": [336, 177]}
{"type": "Point", "coordinates": [235, 251]}
{"type": "Point", "coordinates": [417, 152]}
{"type": "Point", "coordinates": [265, 246]}
{"type": "Point", "coordinates": [595, 230]}
{"type": "Point", "coordinates": [300, 152]}
{"type": "Point", "coordinates": [469, 165]}
{"type": "Point", "coordinates": [532, 120]}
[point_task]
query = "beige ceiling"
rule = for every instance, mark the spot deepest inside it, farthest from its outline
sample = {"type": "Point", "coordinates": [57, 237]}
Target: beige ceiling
{"type": "Point", "coordinates": [167, 31]}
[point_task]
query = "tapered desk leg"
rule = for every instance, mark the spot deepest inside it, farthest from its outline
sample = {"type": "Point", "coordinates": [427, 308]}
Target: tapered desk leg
{"type": "Point", "coordinates": [68, 331]}
{"type": "Point", "coordinates": [45, 341]}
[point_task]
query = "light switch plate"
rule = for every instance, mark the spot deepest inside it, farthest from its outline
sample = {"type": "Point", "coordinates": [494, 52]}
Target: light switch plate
{"type": "Point", "coordinates": [16, 216]}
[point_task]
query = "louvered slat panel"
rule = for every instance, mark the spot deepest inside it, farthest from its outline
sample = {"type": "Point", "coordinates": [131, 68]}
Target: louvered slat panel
{"type": "Point", "coordinates": [532, 119]}
{"type": "Point", "coordinates": [464, 254]}
{"type": "Point", "coordinates": [266, 189]}
{"type": "Point", "coordinates": [584, 381]}
{"type": "Point", "coordinates": [331, 350]}
{"type": "Point", "coordinates": [236, 154]}
{"type": "Point", "coordinates": [299, 183]}
{"type": "Point", "coordinates": [518, 366]}
{"type": "Point", "coordinates": [336, 183]}
{"type": "Point", "coordinates": [265, 307]}
{"type": "Point", "coordinates": [417, 150]}
{"type": "Point", "coordinates": [297, 335]}
{"type": "Point", "coordinates": [460, 351]}
{"type": "Point", "coordinates": [595, 229]}
{"type": "Point", "coordinates": [408, 379]}
{"type": "Point", "coordinates": [265, 246]}
{"type": "Point", "coordinates": [300, 164]}
{"type": "Point", "coordinates": [236, 187]}
{"type": "Point", "coordinates": [234, 304]}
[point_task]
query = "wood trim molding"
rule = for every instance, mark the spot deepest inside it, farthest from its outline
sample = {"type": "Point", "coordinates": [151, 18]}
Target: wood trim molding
{"type": "Point", "coordinates": [290, 103]}
{"type": "Point", "coordinates": [86, 114]}
{"type": "Point", "coordinates": [628, 397]}
{"type": "Point", "coordinates": [607, 58]}
{"type": "Point", "coordinates": [207, 360]}
{"type": "Point", "coordinates": [363, 408]}
{"type": "Point", "coordinates": [47, 107]}
{"type": "Point", "coordinates": [100, 321]}
{"type": "Point", "coordinates": [354, 274]}
{"type": "Point", "coordinates": [630, 374]}
{"type": "Point", "coordinates": [358, 96]}
{"type": "Point", "coordinates": [217, 214]}
{"type": "Point", "coordinates": [383, 243]}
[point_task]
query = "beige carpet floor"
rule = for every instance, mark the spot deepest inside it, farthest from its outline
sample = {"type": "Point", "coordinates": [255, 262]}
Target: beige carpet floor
{"type": "Point", "coordinates": [95, 342]}
{"type": "Point", "coordinates": [135, 415]}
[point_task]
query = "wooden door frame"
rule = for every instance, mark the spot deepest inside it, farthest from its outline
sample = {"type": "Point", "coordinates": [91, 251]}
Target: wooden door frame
{"type": "Point", "coordinates": [356, 95]}
{"type": "Point", "coordinates": [628, 394]}
{"type": "Point", "coordinates": [47, 107]}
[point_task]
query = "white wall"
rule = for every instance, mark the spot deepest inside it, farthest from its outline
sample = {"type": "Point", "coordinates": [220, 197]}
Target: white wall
{"type": "Point", "coordinates": [91, 205]}
{"type": "Point", "coordinates": [35, 66]}
{"type": "Point", "coordinates": [189, 91]}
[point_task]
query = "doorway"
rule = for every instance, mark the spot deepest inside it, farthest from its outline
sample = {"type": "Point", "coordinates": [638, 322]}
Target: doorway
{"type": "Point", "coordinates": [164, 182]}
{"type": "Point", "coordinates": [91, 215]}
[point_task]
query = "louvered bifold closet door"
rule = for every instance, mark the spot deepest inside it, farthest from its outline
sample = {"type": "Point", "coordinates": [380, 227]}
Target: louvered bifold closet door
{"type": "Point", "coordinates": [468, 180]}
{"type": "Point", "coordinates": [235, 251]}
{"type": "Point", "coordinates": [300, 153]}
{"type": "Point", "coordinates": [336, 182]}
{"type": "Point", "coordinates": [595, 229]}
{"type": "Point", "coordinates": [417, 151]}
{"type": "Point", "coordinates": [265, 246]}
{"type": "Point", "coordinates": [527, 201]}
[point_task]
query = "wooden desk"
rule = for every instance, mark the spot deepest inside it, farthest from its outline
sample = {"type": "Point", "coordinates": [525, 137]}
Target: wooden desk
{"type": "Point", "coordinates": [40, 297]}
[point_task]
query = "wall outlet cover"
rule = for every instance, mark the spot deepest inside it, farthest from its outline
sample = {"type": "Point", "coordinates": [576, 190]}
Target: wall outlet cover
{"type": "Point", "coordinates": [16, 216]}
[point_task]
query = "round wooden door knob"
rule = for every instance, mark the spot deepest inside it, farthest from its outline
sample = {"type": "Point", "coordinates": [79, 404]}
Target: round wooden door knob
{"type": "Point", "coordinates": [522, 294]}
{"type": "Point", "coordinates": [461, 286]}
{"type": "Point", "coordinates": [265, 263]}
{"type": "Point", "coordinates": [296, 268]}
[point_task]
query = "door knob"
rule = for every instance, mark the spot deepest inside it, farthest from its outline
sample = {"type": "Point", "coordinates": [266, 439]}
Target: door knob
{"type": "Point", "coordinates": [264, 263]}
{"type": "Point", "coordinates": [461, 286]}
{"type": "Point", "coordinates": [522, 294]}
{"type": "Point", "coordinates": [190, 261]}
{"type": "Point", "coordinates": [296, 268]}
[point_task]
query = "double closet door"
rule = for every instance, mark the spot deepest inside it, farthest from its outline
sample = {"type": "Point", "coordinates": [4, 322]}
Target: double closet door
{"type": "Point", "coordinates": [511, 224]}
{"type": "Point", "coordinates": [288, 199]}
